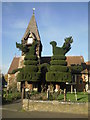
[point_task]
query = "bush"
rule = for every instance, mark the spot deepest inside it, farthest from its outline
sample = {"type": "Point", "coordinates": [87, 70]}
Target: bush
{"type": "Point", "coordinates": [29, 76]}
{"type": "Point", "coordinates": [30, 68]}
{"type": "Point", "coordinates": [58, 77]}
{"type": "Point", "coordinates": [58, 57]}
{"type": "Point", "coordinates": [30, 57]}
{"type": "Point", "coordinates": [11, 97]}
{"type": "Point", "coordinates": [58, 62]}
{"type": "Point", "coordinates": [28, 62]}
{"type": "Point", "coordinates": [76, 69]}
{"type": "Point", "coordinates": [59, 68]}
{"type": "Point", "coordinates": [44, 67]}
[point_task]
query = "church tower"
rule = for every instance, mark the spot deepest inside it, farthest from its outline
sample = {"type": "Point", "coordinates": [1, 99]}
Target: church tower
{"type": "Point", "coordinates": [31, 35]}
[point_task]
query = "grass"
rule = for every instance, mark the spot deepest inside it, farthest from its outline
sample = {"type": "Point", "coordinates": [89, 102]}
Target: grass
{"type": "Point", "coordinates": [81, 97]}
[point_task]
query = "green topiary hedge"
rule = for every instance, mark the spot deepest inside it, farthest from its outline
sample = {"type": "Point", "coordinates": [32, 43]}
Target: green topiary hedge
{"type": "Point", "coordinates": [59, 68]}
{"type": "Point", "coordinates": [33, 76]}
{"type": "Point", "coordinates": [59, 72]}
{"type": "Point", "coordinates": [58, 57]}
{"type": "Point", "coordinates": [30, 57]}
{"type": "Point", "coordinates": [31, 70]}
{"type": "Point", "coordinates": [58, 77]}
{"type": "Point", "coordinates": [58, 62]}
{"type": "Point", "coordinates": [28, 62]}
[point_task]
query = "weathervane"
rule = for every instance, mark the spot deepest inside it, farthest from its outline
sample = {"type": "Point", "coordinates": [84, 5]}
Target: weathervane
{"type": "Point", "coordinates": [33, 10]}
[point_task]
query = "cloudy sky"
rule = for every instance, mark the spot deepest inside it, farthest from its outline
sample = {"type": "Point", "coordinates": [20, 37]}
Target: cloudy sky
{"type": "Point", "coordinates": [55, 21]}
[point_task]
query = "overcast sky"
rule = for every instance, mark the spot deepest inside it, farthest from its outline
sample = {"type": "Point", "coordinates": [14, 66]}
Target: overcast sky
{"type": "Point", "coordinates": [55, 21]}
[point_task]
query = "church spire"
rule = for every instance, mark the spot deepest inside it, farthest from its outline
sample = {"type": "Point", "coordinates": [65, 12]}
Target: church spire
{"type": "Point", "coordinates": [32, 27]}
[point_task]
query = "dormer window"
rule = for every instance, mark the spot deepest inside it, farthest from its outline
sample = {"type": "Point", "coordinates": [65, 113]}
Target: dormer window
{"type": "Point", "coordinates": [30, 40]}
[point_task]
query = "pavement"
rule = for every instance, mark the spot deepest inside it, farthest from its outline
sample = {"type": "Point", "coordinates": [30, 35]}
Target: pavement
{"type": "Point", "coordinates": [14, 110]}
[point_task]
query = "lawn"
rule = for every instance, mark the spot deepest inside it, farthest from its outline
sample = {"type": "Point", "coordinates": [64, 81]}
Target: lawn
{"type": "Point", "coordinates": [81, 97]}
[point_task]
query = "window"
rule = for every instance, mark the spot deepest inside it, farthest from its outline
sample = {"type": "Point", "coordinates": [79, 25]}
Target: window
{"type": "Point", "coordinates": [30, 41]}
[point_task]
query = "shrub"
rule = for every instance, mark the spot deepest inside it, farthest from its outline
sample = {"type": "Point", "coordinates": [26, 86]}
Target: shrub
{"type": "Point", "coordinates": [29, 76]}
{"type": "Point", "coordinates": [58, 62]}
{"type": "Point", "coordinates": [30, 57]}
{"type": "Point", "coordinates": [30, 68]}
{"type": "Point", "coordinates": [59, 68]}
{"type": "Point", "coordinates": [28, 62]}
{"type": "Point", "coordinates": [58, 57]}
{"type": "Point", "coordinates": [44, 67]}
{"type": "Point", "coordinates": [76, 68]}
{"type": "Point", "coordinates": [58, 77]}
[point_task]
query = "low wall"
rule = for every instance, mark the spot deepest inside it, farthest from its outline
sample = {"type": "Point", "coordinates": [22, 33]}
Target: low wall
{"type": "Point", "coordinates": [55, 106]}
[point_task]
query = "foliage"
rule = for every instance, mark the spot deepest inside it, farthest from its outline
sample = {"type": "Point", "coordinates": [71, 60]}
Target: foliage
{"type": "Point", "coordinates": [28, 62]}
{"type": "Point", "coordinates": [58, 62]}
{"type": "Point", "coordinates": [75, 69]}
{"type": "Point", "coordinates": [22, 47]}
{"type": "Point", "coordinates": [31, 70]}
{"type": "Point", "coordinates": [30, 57]}
{"type": "Point", "coordinates": [64, 49]}
{"type": "Point", "coordinates": [59, 72]}
{"type": "Point", "coordinates": [8, 98]}
{"type": "Point", "coordinates": [59, 68]}
{"type": "Point", "coordinates": [58, 57]}
{"type": "Point", "coordinates": [16, 70]}
{"type": "Point", "coordinates": [58, 77]}
{"type": "Point", "coordinates": [44, 68]}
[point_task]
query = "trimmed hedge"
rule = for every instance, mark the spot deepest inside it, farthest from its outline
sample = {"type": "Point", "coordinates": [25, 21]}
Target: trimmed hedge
{"type": "Point", "coordinates": [58, 77]}
{"type": "Point", "coordinates": [31, 68]}
{"type": "Point", "coordinates": [33, 76]}
{"type": "Point", "coordinates": [59, 68]}
{"type": "Point", "coordinates": [28, 62]}
{"type": "Point", "coordinates": [31, 71]}
{"type": "Point", "coordinates": [44, 66]}
{"type": "Point", "coordinates": [58, 57]}
{"type": "Point", "coordinates": [59, 72]}
{"type": "Point", "coordinates": [30, 57]}
{"type": "Point", "coordinates": [58, 62]}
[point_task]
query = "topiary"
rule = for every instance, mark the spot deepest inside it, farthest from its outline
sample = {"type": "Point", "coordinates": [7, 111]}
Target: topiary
{"type": "Point", "coordinates": [59, 72]}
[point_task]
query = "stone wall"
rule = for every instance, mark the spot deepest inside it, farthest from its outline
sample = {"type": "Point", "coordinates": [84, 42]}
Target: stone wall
{"type": "Point", "coordinates": [55, 106]}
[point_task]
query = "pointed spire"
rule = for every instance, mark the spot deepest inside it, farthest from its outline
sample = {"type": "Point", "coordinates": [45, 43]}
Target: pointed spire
{"type": "Point", "coordinates": [32, 27]}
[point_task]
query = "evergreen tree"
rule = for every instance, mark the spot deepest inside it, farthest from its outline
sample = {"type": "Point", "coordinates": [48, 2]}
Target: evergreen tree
{"type": "Point", "coordinates": [59, 72]}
